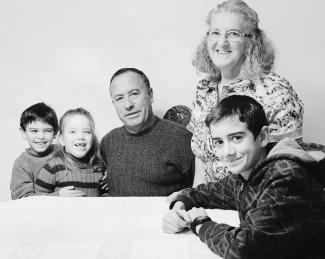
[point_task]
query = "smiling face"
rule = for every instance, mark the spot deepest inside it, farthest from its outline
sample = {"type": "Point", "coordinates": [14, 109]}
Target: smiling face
{"type": "Point", "coordinates": [39, 136]}
{"type": "Point", "coordinates": [77, 135]}
{"type": "Point", "coordinates": [227, 54]}
{"type": "Point", "coordinates": [235, 145]}
{"type": "Point", "coordinates": [132, 101]}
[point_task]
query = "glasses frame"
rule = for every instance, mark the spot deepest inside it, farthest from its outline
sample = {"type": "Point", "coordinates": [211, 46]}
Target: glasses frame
{"type": "Point", "coordinates": [242, 35]}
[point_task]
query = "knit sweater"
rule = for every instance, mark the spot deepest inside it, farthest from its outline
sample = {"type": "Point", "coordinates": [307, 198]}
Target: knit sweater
{"type": "Point", "coordinates": [281, 208]}
{"type": "Point", "coordinates": [57, 174]}
{"type": "Point", "coordinates": [24, 172]}
{"type": "Point", "coordinates": [154, 162]}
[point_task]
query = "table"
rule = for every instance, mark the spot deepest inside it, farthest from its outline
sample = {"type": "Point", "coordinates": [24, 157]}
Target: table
{"type": "Point", "coordinates": [123, 227]}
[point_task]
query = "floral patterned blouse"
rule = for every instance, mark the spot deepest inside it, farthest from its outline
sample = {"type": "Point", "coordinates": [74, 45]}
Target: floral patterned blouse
{"type": "Point", "coordinates": [281, 103]}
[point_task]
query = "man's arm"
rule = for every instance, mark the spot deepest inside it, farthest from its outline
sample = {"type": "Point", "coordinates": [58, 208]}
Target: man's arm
{"type": "Point", "coordinates": [212, 195]}
{"type": "Point", "coordinates": [278, 226]}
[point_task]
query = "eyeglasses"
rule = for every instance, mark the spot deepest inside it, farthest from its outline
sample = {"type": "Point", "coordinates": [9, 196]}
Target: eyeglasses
{"type": "Point", "coordinates": [233, 36]}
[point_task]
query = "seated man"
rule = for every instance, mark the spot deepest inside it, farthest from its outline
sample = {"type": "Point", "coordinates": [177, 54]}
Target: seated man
{"type": "Point", "coordinates": [278, 194]}
{"type": "Point", "coordinates": [147, 156]}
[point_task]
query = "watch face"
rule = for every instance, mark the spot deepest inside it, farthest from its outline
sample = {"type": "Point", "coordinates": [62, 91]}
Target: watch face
{"type": "Point", "coordinates": [198, 221]}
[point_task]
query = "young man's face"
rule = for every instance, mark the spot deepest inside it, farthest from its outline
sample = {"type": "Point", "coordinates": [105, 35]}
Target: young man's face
{"type": "Point", "coordinates": [235, 145]}
{"type": "Point", "coordinates": [132, 101]}
{"type": "Point", "coordinates": [39, 136]}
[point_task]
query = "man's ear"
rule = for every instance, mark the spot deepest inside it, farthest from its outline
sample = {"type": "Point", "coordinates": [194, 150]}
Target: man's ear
{"type": "Point", "coordinates": [150, 92]}
{"type": "Point", "coordinates": [23, 133]}
{"type": "Point", "coordinates": [265, 136]}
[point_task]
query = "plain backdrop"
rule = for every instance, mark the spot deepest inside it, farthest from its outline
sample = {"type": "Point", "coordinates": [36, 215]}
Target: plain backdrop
{"type": "Point", "coordinates": [64, 52]}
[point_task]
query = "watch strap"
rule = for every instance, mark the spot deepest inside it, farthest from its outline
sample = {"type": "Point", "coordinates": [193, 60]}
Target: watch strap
{"type": "Point", "coordinates": [198, 221]}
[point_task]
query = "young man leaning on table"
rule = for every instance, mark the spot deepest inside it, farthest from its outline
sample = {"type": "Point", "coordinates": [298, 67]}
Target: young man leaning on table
{"type": "Point", "coordinates": [278, 193]}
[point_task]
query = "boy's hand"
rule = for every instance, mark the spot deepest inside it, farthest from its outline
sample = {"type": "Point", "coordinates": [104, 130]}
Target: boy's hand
{"type": "Point", "coordinates": [175, 221]}
{"type": "Point", "coordinates": [69, 191]}
{"type": "Point", "coordinates": [103, 182]}
{"type": "Point", "coordinates": [172, 197]}
{"type": "Point", "coordinates": [196, 212]}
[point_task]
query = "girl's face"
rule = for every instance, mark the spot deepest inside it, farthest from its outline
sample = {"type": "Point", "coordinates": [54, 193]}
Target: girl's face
{"type": "Point", "coordinates": [77, 135]}
{"type": "Point", "coordinates": [225, 42]}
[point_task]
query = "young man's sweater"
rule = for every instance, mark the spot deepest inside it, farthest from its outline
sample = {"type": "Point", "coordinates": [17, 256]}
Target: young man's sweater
{"type": "Point", "coordinates": [25, 171]}
{"type": "Point", "coordinates": [281, 207]}
{"type": "Point", "coordinates": [154, 162]}
{"type": "Point", "coordinates": [57, 174]}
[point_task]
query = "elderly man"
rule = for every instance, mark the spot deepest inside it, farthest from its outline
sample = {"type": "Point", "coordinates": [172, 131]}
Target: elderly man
{"type": "Point", "coordinates": [147, 156]}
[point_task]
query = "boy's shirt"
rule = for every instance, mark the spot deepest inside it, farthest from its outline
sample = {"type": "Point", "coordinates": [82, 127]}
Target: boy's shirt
{"type": "Point", "coordinates": [281, 207]}
{"type": "Point", "coordinates": [25, 171]}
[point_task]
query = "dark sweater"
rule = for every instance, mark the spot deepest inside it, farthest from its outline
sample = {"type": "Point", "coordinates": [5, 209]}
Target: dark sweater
{"type": "Point", "coordinates": [74, 172]}
{"type": "Point", "coordinates": [154, 162]}
{"type": "Point", "coordinates": [281, 208]}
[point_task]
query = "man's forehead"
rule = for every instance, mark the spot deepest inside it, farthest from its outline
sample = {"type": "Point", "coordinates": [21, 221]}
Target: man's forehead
{"type": "Point", "coordinates": [126, 82]}
{"type": "Point", "coordinates": [227, 126]}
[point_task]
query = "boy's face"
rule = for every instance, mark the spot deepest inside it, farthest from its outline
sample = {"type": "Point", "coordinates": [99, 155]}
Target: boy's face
{"type": "Point", "coordinates": [235, 145]}
{"type": "Point", "coordinates": [39, 136]}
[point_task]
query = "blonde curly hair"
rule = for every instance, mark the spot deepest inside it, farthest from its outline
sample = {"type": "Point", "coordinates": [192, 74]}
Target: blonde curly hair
{"type": "Point", "coordinates": [259, 51]}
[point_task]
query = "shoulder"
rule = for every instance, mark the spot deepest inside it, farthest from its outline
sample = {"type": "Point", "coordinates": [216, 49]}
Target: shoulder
{"type": "Point", "coordinates": [285, 169]}
{"type": "Point", "coordinates": [113, 133]}
{"type": "Point", "coordinates": [175, 128]}
{"type": "Point", "coordinates": [273, 80]}
{"type": "Point", "coordinates": [22, 158]}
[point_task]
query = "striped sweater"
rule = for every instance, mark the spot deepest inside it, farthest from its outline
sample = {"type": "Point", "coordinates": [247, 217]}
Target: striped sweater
{"type": "Point", "coordinates": [56, 175]}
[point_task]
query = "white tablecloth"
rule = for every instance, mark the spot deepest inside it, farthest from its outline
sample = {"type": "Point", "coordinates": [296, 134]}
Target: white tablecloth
{"type": "Point", "coordinates": [126, 228]}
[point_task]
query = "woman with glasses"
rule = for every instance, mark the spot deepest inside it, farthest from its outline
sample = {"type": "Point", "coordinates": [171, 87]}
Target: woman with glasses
{"type": "Point", "coordinates": [238, 58]}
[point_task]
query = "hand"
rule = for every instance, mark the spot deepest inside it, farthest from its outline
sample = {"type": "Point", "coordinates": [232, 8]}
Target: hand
{"type": "Point", "coordinates": [103, 182]}
{"type": "Point", "coordinates": [172, 197]}
{"type": "Point", "coordinates": [175, 221]}
{"type": "Point", "coordinates": [69, 191]}
{"type": "Point", "coordinates": [196, 212]}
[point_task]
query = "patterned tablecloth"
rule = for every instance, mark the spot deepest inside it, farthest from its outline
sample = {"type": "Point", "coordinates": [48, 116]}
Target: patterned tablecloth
{"type": "Point", "coordinates": [112, 228]}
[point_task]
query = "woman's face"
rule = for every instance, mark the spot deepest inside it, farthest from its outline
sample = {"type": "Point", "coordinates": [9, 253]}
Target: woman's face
{"type": "Point", "coordinates": [225, 42]}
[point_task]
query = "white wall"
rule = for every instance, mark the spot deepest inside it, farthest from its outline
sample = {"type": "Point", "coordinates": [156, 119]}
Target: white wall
{"type": "Point", "coordinates": [64, 52]}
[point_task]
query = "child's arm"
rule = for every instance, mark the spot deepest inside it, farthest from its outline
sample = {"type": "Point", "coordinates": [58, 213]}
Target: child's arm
{"type": "Point", "coordinates": [279, 225]}
{"type": "Point", "coordinates": [45, 183]}
{"type": "Point", "coordinates": [21, 184]}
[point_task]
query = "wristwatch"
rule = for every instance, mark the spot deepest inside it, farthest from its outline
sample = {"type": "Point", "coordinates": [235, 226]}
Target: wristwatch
{"type": "Point", "coordinates": [198, 221]}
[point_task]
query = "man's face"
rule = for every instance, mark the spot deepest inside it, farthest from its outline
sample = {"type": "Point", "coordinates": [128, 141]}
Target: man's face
{"type": "Point", "coordinates": [132, 100]}
{"type": "Point", "coordinates": [39, 136]}
{"type": "Point", "coordinates": [235, 145]}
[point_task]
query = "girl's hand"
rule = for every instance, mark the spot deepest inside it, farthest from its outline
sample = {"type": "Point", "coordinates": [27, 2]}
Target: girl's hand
{"type": "Point", "coordinates": [69, 191]}
{"type": "Point", "coordinates": [103, 182]}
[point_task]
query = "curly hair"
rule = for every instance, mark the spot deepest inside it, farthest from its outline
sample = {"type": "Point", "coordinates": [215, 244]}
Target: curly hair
{"type": "Point", "coordinates": [259, 51]}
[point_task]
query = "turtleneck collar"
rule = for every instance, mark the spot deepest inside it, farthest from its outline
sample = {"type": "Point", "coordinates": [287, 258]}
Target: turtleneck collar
{"type": "Point", "coordinates": [82, 162]}
{"type": "Point", "coordinates": [145, 131]}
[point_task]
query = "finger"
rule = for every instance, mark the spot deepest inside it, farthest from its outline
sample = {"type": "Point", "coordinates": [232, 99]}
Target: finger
{"type": "Point", "coordinates": [184, 215]}
{"type": "Point", "coordinates": [68, 187]}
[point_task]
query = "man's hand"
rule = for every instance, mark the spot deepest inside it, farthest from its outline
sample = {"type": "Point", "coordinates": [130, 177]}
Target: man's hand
{"type": "Point", "coordinates": [69, 191]}
{"type": "Point", "coordinates": [172, 197]}
{"type": "Point", "coordinates": [175, 221]}
{"type": "Point", "coordinates": [103, 182]}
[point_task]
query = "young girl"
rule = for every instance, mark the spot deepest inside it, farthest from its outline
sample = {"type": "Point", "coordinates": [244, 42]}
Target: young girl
{"type": "Point", "coordinates": [77, 168]}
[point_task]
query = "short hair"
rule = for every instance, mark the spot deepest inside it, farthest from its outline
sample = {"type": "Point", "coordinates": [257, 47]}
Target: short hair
{"type": "Point", "coordinates": [134, 70]}
{"type": "Point", "coordinates": [247, 109]}
{"type": "Point", "coordinates": [39, 111]}
{"type": "Point", "coordinates": [259, 51]}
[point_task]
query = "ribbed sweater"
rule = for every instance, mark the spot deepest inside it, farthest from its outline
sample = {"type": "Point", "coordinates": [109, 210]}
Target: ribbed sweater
{"type": "Point", "coordinates": [154, 162]}
{"type": "Point", "coordinates": [24, 172]}
{"type": "Point", "coordinates": [56, 174]}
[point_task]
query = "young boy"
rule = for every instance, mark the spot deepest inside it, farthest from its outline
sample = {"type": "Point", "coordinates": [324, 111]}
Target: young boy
{"type": "Point", "coordinates": [278, 194]}
{"type": "Point", "coordinates": [38, 125]}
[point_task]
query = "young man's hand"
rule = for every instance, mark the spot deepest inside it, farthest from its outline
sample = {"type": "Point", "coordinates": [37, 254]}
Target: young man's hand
{"type": "Point", "coordinates": [176, 220]}
{"type": "Point", "coordinates": [69, 191]}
